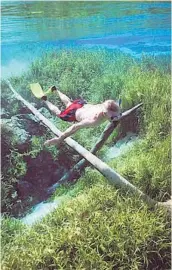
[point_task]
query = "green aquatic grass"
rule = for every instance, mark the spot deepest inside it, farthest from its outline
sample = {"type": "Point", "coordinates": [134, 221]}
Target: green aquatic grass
{"type": "Point", "coordinates": [98, 75]}
{"type": "Point", "coordinates": [99, 229]}
{"type": "Point", "coordinates": [148, 168]}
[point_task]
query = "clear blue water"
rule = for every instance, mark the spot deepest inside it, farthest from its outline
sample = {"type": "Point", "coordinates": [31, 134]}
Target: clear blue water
{"type": "Point", "coordinates": [30, 28]}
{"type": "Point", "coordinates": [40, 211]}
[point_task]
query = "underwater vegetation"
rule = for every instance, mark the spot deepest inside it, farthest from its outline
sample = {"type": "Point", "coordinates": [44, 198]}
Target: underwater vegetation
{"type": "Point", "coordinates": [100, 227]}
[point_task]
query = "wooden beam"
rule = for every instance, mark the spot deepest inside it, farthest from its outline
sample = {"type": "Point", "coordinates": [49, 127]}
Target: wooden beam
{"type": "Point", "coordinates": [112, 176]}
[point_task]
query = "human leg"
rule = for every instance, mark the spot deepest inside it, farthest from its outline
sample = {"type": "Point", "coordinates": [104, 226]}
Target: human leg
{"type": "Point", "coordinates": [66, 100]}
{"type": "Point", "coordinates": [52, 107]}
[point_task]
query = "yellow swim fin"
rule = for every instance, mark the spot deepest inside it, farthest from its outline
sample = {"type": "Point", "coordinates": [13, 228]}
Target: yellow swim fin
{"type": "Point", "coordinates": [37, 90]}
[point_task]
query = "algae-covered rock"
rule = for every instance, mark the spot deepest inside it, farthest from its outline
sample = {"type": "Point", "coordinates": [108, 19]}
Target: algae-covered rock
{"type": "Point", "coordinates": [4, 113]}
{"type": "Point", "coordinates": [16, 124]}
{"type": "Point", "coordinates": [24, 126]}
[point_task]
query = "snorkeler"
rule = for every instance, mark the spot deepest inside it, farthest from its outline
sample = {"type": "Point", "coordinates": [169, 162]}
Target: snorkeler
{"type": "Point", "coordinates": [84, 115]}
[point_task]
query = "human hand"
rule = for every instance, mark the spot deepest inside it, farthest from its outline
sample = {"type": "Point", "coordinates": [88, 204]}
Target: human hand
{"type": "Point", "coordinates": [116, 118]}
{"type": "Point", "coordinates": [47, 143]}
{"type": "Point", "coordinates": [54, 141]}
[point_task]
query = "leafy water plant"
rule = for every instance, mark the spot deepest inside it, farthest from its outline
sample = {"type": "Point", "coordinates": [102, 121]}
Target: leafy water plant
{"type": "Point", "coordinates": [140, 167]}
{"type": "Point", "coordinates": [99, 229]}
{"type": "Point", "coordinates": [13, 167]}
{"type": "Point", "coordinates": [102, 228]}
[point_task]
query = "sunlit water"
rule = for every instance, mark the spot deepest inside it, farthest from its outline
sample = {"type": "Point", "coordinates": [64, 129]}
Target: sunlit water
{"type": "Point", "coordinates": [41, 210]}
{"type": "Point", "coordinates": [121, 147]}
{"type": "Point", "coordinates": [30, 28]}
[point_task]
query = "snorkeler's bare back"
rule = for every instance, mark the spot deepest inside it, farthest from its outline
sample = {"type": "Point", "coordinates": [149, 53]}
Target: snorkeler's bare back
{"type": "Point", "coordinates": [91, 113]}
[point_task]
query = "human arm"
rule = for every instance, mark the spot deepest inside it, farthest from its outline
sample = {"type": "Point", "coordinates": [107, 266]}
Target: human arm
{"type": "Point", "coordinates": [71, 130]}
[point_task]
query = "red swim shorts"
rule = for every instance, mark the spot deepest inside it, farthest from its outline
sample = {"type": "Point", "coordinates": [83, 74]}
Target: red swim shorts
{"type": "Point", "coordinates": [69, 113]}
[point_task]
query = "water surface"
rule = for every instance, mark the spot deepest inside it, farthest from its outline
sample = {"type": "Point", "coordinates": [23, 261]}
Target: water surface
{"type": "Point", "coordinates": [30, 28]}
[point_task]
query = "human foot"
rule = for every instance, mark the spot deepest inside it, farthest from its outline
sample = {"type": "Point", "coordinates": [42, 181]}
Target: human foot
{"type": "Point", "coordinates": [53, 88]}
{"type": "Point", "coordinates": [44, 98]}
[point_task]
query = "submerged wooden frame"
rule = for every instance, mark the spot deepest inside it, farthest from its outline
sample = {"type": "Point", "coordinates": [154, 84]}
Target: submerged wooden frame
{"type": "Point", "coordinates": [88, 156]}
